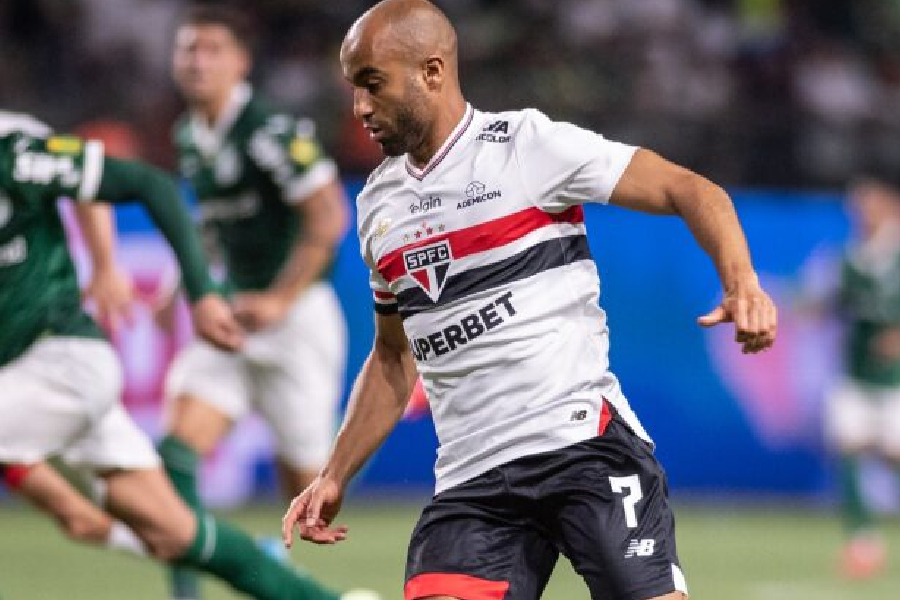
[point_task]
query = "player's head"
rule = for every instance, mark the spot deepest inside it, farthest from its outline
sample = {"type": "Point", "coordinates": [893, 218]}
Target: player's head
{"type": "Point", "coordinates": [211, 54]}
{"type": "Point", "coordinates": [400, 57]}
{"type": "Point", "coordinates": [873, 201]}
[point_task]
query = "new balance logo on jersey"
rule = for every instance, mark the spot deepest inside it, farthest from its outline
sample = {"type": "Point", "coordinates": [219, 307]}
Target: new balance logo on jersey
{"type": "Point", "coordinates": [424, 205]}
{"type": "Point", "coordinates": [640, 548]}
{"type": "Point", "coordinates": [468, 328]}
{"type": "Point", "coordinates": [428, 266]}
{"type": "Point", "coordinates": [476, 193]}
{"type": "Point", "coordinates": [491, 133]}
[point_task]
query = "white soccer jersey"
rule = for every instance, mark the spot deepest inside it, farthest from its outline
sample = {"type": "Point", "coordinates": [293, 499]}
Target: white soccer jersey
{"type": "Point", "coordinates": [484, 254]}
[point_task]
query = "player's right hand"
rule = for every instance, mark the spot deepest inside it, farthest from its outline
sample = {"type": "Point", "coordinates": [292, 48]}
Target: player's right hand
{"type": "Point", "coordinates": [312, 513]}
{"type": "Point", "coordinates": [215, 322]}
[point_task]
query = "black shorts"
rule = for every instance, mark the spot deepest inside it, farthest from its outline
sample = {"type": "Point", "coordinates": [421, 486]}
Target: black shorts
{"type": "Point", "coordinates": [602, 503]}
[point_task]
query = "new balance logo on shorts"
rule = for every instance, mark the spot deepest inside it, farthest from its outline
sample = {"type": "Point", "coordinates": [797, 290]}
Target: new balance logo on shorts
{"type": "Point", "coordinates": [640, 548]}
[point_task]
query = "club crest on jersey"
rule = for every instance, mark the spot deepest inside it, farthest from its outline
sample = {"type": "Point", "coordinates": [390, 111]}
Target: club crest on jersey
{"type": "Point", "coordinates": [428, 266]}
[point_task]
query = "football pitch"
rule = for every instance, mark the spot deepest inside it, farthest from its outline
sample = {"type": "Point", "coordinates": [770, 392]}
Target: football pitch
{"type": "Point", "coordinates": [728, 554]}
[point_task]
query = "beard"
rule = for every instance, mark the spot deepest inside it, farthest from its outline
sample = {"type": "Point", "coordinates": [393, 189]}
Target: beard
{"type": "Point", "coordinates": [409, 126]}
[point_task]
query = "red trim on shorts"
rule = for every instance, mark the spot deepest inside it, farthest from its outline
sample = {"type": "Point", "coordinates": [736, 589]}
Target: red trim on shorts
{"type": "Point", "coordinates": [14, 475]}
{"type": "Point", "coordinates": [459, 586]}
{"type": "Point", "coordinates": [605, 417]}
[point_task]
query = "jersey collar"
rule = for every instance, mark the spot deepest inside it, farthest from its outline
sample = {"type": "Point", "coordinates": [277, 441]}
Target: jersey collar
{"type": "Point", "coordinates": [445, 148]}
{"type": "Point", "coordinates": [209, 139]}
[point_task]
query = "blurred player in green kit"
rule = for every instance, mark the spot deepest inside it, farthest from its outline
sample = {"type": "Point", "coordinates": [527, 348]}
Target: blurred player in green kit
{"type": "Point", "coordinates": [863, 410]}
{"type": "Point", "coordinates": [61, 381]}
{"type": "Point", "coordinates": [273, 208]}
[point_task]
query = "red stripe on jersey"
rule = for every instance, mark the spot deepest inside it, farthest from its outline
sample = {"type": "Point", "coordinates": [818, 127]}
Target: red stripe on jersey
{"type": "Point", "coordinates": [481, 237]}
{"type": "Point", "coordinates": [14, 475]}
{"type": "Point", "coordinates": [459, 586]}
{"type": "Point", "coordinates": [605, 417]}
{"type": "Point", "coordinates": [383, 295]}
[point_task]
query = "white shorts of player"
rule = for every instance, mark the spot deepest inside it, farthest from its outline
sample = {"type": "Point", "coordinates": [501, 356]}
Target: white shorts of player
{"type": "Point", "coordinates": [859, 416]}
{"type": "Point", "coordinates": [292, 374]}
{"type": "Point", "coordinates": [61, 397]}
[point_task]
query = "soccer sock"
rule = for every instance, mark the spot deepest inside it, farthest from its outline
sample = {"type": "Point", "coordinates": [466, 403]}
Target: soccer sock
{"type": "Point", "coordinates": [180, 462]}
{"type": "Point", "coordinates": [234, 557]}
{"type": "Point", "coordinates": [122, 538]}
{"type": "Point", "coordinates": [855, 513]}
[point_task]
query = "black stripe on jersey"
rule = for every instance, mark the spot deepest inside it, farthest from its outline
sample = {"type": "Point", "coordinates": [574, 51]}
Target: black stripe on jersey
{"type": "Point", "coordinates": [543, 256]}
{"type": "Point", "coordinates": [385, 309]}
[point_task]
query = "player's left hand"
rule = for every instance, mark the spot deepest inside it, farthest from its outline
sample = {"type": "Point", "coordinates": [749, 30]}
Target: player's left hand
{"type": "Point", "coordinates": [214, 322]}
{"type": "Point", "coordinates": [112, 293]}
{"type": "Point", "coordinates": [753, 313]}
{"type": "Point", "coordinates": [259, 310]}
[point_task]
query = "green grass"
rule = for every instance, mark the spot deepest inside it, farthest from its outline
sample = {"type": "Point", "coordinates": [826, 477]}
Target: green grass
{"type": "Point", "coordinates": [728, 554]}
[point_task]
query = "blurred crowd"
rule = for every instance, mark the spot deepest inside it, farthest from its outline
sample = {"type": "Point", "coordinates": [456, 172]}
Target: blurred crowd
{"type": "Point", "coordinates": [783, 93]}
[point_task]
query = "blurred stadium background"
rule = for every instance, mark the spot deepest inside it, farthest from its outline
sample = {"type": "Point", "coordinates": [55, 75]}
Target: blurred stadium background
{"type": "Point", "coordinates": [780, 100]}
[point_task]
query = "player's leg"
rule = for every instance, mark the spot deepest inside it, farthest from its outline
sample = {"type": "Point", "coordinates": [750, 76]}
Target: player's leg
{"type": "Point", "coordinates": [79, 518]}
{"type": "Point", "coordinates": [206, 392]}
{"type": "Point", "coordinates": [52, 394]}
{"type": "Point", "coordinates": [139, 493]}
{"type": "Point", "coordinates": [474, 541]}
{"type": "Point", "coordinates": [852, 430]}
{"type": "Point", "coordinates": [605, 504]}
{"type": "Point", "coordinates": [298, 381]}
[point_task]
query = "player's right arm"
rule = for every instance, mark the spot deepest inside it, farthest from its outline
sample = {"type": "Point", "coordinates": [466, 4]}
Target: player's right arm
{"type": "Point", "coordinates": [377, 402]}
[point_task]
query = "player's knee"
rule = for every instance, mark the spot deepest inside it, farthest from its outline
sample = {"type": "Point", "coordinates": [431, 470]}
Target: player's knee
{"type": "Point", "coordinates": [81, 527]}
{"type": "Point", "coordinates": [166, 545]}
{"type": "Point", "coordinates": [167, 539]}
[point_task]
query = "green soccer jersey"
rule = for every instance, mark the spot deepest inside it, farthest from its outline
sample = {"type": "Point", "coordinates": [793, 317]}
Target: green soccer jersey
{"type": "Point", "coordinates": [247, 172]}
{"type": "Point", "coordinates": [870, 298]}
{"type": "Point", "coordinates": [38, 288]}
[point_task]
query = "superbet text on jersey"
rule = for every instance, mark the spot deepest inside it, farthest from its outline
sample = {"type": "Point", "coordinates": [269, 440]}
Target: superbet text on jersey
{"type": "Point", "coordinates": [483, 254]}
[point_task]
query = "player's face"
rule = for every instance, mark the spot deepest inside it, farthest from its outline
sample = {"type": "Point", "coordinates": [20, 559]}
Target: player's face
{"type": "Point", "coordinates": [391, 101]}
{"type": "Point", "coordinates": [207, 62]}
{"type": "Point", "coordinates": [871, 205]}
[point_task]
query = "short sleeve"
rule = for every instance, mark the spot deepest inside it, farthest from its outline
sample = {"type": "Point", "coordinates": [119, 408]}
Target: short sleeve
{"type": "Point", "coordinates": [59, 165]}
{"type": "Point", "coordinates": [564, 165]}
{"type": "Point", "coordinates": [382, 298]}
{"type": "Point", "coordinates": [287, 149]}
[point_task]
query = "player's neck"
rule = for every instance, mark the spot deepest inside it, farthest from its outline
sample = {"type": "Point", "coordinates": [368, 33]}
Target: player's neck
{"type": "Point", "coordinates": [446, 122]}
{"type": "Point", "coordinates": [212, 109]}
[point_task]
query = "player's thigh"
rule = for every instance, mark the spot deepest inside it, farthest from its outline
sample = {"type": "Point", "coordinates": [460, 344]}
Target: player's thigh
{"type": "Point", "coordinates": [207, 390]}
{"type": "Point", "coordinates": [472, 542]}
{"type": "Point", "coordinates": [53, 394]}
{"type": "Point", "coordinates": [298, 387]}
{"type": "Point", "coordinates": [610, 515]}
{"type": "Point", "coordinates": [851, 418]}
{"type": "Point", "coordinates": [147, 502]}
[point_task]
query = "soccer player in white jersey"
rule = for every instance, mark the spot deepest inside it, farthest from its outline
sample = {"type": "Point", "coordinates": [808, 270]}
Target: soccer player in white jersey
{"type": "Point", "coordinates": [473, 231]}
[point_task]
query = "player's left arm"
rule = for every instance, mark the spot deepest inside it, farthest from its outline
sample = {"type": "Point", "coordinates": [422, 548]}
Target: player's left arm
{"type": "Point", "coordinates": [654, 185]}
{"type": "Point", "coordinates": [289, 152]}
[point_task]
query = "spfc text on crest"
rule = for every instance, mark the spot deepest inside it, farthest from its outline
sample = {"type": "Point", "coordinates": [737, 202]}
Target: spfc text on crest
{"type": "Point", "coordinates": [428, 266]}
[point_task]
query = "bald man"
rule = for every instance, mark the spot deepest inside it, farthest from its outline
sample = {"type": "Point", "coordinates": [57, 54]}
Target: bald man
{"type": "Point", "coordinates": [483, 282]}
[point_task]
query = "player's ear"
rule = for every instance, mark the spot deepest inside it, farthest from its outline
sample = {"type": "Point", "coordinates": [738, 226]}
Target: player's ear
{"type": "Point", "coordinates": [434, 72]}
